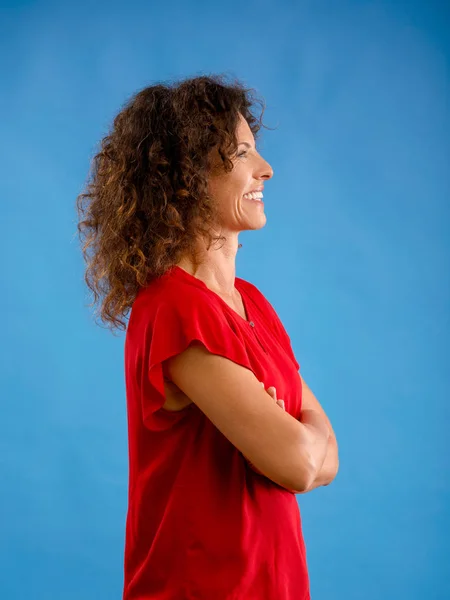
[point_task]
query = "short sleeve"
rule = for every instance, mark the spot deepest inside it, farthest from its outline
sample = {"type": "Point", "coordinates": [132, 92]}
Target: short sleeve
{"type": "Point", "coordinates": [176, 323]}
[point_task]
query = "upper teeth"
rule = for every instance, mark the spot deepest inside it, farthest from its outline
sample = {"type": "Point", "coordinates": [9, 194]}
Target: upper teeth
{"type": "Point", "coordinates": [254, 195]}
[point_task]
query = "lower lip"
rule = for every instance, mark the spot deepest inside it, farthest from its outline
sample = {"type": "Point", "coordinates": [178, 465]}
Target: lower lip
{"type": "Point", "coordinates": [254, 201]}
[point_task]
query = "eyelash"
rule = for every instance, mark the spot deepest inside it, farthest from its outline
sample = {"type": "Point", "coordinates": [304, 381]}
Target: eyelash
{"type": "Point", "coordinates": [243, 153]}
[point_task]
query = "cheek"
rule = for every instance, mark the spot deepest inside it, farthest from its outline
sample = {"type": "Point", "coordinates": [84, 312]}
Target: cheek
{"type": "Point", "coordinates": [230, 187]}
{"type": "Point", "coordinates": [240, 187]}
{"type": "Point", "coordinates": [224, 188]}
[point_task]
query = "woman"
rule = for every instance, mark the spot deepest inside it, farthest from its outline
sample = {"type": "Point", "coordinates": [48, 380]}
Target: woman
{"type": "Point", "coordinates": [214, 464]}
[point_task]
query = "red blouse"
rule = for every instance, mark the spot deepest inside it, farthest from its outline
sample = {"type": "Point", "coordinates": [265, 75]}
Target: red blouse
{"type": "Point", "coordinates": [201, 523]}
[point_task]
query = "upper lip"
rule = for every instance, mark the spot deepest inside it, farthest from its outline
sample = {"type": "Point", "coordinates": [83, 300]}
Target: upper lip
{"type": "Point", "coordinates": [258, 189]}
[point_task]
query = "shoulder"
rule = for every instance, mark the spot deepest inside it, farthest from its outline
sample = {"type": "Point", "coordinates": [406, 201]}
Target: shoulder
{"type": "Point", "coordinates": [169, 289]}
{"type": "Point", "coordinates": [168, 297]}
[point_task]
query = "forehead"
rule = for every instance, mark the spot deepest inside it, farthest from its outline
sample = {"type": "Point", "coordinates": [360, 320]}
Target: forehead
{"type": "Point", "coordinates": [243, 131]}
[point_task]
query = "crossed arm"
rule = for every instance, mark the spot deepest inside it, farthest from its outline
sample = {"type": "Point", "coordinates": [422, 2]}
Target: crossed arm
{"type": "Point", "coordinates": [330, 465]}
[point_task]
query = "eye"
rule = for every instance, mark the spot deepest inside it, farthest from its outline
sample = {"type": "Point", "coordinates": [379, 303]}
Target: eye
{"type": "Point", "coordinates": [243, 153]}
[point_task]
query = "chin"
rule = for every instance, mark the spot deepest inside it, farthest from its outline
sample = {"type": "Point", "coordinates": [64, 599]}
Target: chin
{"type": "Point", "coordinates": [255, 225]}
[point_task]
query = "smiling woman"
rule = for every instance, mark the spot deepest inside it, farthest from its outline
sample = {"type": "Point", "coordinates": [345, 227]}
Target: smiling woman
{"type": "Point", "coordinates": [151, 193]}
{"type": "Point", "coordinates": [238, 193]}
{"type": "Point", "coordinates": [215, 460]}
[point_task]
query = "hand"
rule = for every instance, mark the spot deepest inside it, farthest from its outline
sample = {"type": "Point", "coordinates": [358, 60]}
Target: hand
{"type": "Point", "coordinates": [272, 391]}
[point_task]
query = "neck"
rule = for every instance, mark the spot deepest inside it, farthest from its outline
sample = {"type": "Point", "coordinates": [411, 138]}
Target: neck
{"type": "Point", "coordinates": [215, 267]}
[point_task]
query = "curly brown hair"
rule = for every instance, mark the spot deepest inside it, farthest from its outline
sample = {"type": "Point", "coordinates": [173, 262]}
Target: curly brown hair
{"type": "Point", "coordinates": [146, 202]}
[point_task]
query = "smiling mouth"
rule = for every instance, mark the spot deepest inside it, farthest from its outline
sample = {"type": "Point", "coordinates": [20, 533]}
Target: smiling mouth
{"type": "Point", "coordinates": [257, 196]}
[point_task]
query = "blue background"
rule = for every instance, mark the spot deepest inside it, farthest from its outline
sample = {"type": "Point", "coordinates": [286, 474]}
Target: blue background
{"type": "Point", "coordinates": [354, 257]}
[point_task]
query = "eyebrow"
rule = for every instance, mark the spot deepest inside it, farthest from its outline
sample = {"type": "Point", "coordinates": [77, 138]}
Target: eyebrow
{"type": "Point", "coordinates": [245, 144]}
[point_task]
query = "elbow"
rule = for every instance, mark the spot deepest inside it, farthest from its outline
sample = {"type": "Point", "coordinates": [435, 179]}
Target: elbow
{"type": "Point", "coordinates": [333, 466]}
{"type": "Point", "coordinates": [312, 475]}
{"type": "Point", "coordinates": [331, 474]}
{"type": "Point", "coordinates": [335, 470]}
{"type": "Point", "coordinates": [302, 484]}
{"type": "Point", "coordinates": [328, 474]}
{"type": "Point", "coordinates": [305, 476]}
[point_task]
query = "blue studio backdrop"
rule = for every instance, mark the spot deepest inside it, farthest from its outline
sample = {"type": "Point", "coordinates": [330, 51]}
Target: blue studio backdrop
{"type": "Point", "coordinates": [354, 257]}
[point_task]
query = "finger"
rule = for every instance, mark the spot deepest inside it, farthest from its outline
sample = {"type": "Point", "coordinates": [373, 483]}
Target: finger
{"type": "Point", "coordinates": [281, 404]}
{"type": "Point", "coordinates": [272, 391]}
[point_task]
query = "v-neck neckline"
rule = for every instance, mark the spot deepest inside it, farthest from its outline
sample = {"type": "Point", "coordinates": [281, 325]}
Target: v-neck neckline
{"type": "Point", "coordinates": [195, 281]}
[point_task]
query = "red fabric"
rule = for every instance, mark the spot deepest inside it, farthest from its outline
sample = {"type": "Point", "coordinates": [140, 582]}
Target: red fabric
{"type": "Point", "coordinates": [201, 523]}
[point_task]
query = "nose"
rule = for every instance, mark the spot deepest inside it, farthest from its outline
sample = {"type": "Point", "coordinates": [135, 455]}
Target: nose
{"type": "Point", "coordinates": [264, 170]}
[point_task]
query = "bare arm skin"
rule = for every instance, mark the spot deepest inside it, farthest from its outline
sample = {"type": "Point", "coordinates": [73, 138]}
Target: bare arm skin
{"type": "Point", "coordinates": [327, 472]}
{"type": "Point", "coordinates": [287, 451]}
{"type": "Point", "coordinates": [330, 466]}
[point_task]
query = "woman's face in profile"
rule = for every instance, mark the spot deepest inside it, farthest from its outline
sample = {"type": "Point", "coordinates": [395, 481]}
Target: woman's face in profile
{"type": "Point", "coordinates": [239, 211]}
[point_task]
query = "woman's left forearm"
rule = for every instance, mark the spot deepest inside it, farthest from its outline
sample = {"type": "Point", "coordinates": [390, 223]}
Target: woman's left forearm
{"type": "Point", "coordinates": [329, 468]}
